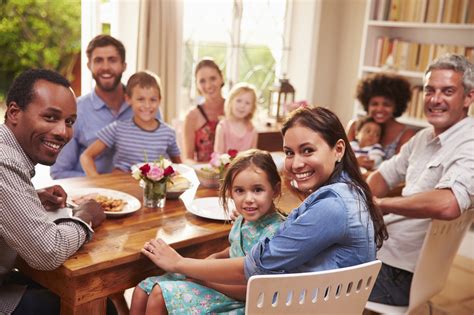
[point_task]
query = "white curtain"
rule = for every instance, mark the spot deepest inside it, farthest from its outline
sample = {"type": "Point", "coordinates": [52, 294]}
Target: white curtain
{"type": "Point", "coordinates": [159, 48]}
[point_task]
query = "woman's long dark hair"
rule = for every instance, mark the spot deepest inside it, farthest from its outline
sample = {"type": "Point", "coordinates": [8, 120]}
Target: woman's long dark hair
{"type": "Point", "coordinates": [328, 126]}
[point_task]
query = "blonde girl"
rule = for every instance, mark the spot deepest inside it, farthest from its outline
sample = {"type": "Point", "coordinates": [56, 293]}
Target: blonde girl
{"type": "Point", "coordinates": [252, 182]}
{"type": "Point", "coordinates": [236, 131]}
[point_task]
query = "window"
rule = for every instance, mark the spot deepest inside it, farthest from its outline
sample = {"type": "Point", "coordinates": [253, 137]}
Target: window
{"type": "Point", "coordinates": [247, 39]}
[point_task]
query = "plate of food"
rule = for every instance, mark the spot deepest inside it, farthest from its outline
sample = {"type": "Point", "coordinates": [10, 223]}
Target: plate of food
{"type": "Point", "coordinates": [209, 208]}
{"type": "Point", "coordinates": [114, 202]}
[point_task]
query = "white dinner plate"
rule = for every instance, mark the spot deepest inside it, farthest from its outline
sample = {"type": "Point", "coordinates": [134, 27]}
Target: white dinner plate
{"type": "Point", "coordinates": [133, 204]}
{"type": "Point", "coordinates": [209, 208]}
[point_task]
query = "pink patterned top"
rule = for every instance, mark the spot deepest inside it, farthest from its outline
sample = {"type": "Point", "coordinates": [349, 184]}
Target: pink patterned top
{"type": "Point", "coordinates": [240, 142]}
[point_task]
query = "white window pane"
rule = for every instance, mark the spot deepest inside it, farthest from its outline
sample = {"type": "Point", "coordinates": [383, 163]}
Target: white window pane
{"type": "Point", "coordinates": [245, 38]}
{"type": "Point", "coordinates": [207, 21]}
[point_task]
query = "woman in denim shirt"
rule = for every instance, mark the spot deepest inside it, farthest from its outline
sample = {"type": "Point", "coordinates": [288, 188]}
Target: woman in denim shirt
{"type": "Point", "coordinates": [336, 226]}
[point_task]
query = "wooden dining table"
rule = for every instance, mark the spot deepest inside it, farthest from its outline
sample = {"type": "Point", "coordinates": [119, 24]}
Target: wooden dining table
{"type": "Point", "coordinates": [111, 262]}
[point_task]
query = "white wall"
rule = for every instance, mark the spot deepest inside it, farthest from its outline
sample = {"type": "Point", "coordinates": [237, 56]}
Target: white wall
{"type": "Point", "coordinates": [303, 37]}
{"type": "Point", "coordinates": [338, 50]}
{"type": "Point", "coordinates": [326, 43]}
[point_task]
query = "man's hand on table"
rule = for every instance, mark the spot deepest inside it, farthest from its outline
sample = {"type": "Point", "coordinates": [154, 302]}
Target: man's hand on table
{"type": "Point", "coordinates": [52, 198]}
{"type": "Point", "coordinates": [91, 212]}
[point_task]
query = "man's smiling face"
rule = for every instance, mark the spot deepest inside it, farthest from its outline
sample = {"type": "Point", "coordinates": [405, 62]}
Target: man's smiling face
{"type": "Point", "coordinates": [45, 125]}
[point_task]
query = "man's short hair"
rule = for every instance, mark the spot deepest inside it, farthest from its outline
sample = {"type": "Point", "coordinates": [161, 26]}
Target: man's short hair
{"type": "Point", "coordinates": [104, 40]}
{"type": "Point", "coordinates": [458, 63]}
{"type": "Point", "coordinates": [22, 89]}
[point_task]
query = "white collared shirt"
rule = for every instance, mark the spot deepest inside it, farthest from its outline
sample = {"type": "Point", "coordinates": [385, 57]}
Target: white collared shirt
{"type": "Point", "coordinates": [425, 163]}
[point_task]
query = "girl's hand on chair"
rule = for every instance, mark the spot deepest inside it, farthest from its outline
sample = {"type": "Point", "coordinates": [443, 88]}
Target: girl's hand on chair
{"type": "Point", "coordinates": [163, 255]}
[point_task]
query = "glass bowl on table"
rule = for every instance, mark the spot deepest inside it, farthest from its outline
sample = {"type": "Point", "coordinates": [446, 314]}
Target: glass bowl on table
{"type": "Point", "coordinates": [208, 176]}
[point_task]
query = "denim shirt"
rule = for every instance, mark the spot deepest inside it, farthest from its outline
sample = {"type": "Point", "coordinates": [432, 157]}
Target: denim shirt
{"type": "Point", "coordinates": [331, 229]}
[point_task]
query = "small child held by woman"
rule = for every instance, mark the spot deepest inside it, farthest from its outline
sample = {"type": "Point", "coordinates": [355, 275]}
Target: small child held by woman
{"type": "Point", "coordinates": [367, 146]}
{"type": "Point", "coordinates": [252, 182]}
{"type": "Point", "coordinates": [141, 136]}
{"type": "Point", "coordinates": [236, 131]}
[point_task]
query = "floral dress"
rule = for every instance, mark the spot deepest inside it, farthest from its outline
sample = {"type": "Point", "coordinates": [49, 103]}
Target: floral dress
{"type": "Point", "coordinates": [185, 297]}
{"type": "Point", "coordinates": [204, 138]}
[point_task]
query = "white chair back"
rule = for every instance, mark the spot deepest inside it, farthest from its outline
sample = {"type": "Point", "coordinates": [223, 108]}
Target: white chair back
{"type": "Point", "coordinates": [339, 291]}
{"type": "Point", "coordinates": [437, 254]}
{"type": "Point", "coordinates": [440, 246]}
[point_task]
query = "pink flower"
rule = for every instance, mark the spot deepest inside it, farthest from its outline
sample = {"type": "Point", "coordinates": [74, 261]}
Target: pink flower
{"type": "Point", "coordinates": [156, 173]}
{"type": "Point", "coordinates": [215, 159]}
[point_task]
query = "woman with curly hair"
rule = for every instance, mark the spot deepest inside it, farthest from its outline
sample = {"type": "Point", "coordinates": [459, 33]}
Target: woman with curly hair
{"type": "Point", "coordinates": [384, 98]}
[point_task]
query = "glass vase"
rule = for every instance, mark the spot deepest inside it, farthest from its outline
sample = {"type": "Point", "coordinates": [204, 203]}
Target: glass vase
{"type": "Point", "coordinates": [154, 194]}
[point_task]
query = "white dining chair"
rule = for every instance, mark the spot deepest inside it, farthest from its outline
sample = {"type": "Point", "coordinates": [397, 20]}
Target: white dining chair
{"type": "Point", "coordinates": [436, 257]}
{"type": "Point", "coordinates": [338, 291]}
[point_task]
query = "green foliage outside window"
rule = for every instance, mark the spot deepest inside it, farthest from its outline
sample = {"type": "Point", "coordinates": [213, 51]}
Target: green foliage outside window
{"type": "Point", "coordinates": [38, 33]}
{"type": "Point", "coordinates": [256, 64]}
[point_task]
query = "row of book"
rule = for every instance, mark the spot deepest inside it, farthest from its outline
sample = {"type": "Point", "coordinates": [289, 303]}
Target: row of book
{"type": "Point", "coordinates": [416, 105]}
{"type": "Point", "coordinates": [398, 54]}
{"type": "Point", "coordinates": [428, 11]}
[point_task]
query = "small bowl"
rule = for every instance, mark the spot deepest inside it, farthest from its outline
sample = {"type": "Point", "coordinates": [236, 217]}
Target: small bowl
{"type": "Point", "coordinates": [208, 179]}
{"type": "Point", "coordinates": [173, 193]}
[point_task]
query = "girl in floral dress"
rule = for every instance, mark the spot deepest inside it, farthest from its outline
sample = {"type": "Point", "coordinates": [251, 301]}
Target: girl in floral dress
{"type": "Point", "coordinates": [252, 182]}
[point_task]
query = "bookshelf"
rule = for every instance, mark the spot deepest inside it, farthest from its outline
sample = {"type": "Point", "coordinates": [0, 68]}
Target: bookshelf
{"type": "Point", "coordinates": [403, 36]}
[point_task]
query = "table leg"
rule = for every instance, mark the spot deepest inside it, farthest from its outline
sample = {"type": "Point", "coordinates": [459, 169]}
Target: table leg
{"type": "Point", "coordinates": [93, 307]}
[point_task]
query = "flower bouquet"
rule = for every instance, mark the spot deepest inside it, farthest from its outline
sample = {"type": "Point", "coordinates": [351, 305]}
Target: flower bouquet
{"type": "Point", "coordinates": [210, 174]}
{"type": "Point", "coordinates": [155, 176]}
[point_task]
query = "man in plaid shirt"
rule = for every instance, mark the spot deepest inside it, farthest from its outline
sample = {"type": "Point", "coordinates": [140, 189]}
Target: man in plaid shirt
{"type": "Point", "coordinates": [41, 110]}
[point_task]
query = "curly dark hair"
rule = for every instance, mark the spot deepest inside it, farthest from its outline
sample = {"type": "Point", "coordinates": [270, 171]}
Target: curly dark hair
{"type": "Point", "coordinates": [22, 89]}
{"type": "Point", "coordinates": [392, 87]}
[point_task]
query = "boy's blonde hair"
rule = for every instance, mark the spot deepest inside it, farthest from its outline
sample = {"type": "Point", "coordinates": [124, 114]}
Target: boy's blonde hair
{"type": "Point", "coordinates": [143, 79]}
{"type": "Point", "coordinates": [238, 89]}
